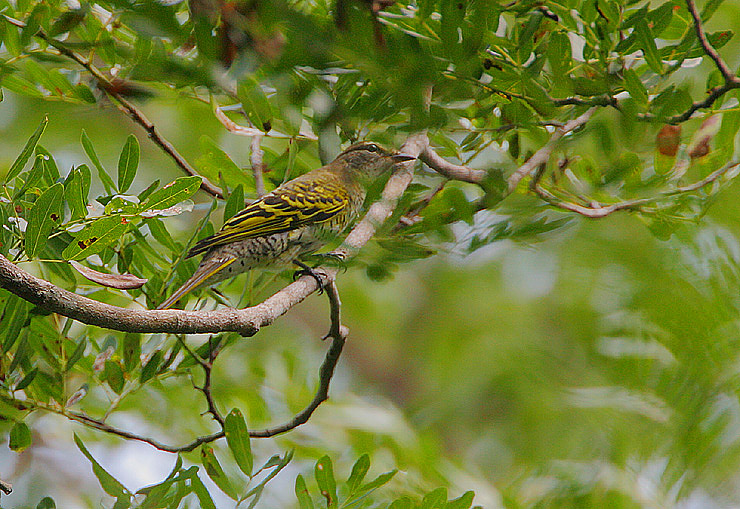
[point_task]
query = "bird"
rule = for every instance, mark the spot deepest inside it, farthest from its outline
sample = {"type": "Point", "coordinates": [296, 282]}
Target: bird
{"type": "Point", "coordinates": [297, 218]}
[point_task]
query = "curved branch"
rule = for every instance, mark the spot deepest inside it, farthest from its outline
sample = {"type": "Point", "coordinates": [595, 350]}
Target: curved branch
{"type": "Point", "coordinates": [448, 169]}
{"type": "Point", "coordinates": [543, 155]}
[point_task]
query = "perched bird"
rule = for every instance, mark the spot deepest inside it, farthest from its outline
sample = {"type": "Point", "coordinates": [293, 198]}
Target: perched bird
{"type": "Point", "coordinates": [297, 218]}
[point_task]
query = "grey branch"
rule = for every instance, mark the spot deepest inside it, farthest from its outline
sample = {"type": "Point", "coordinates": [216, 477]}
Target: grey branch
{"type": "Point", "coordinates": [448, 169]}
{"type": "Point", "coordinates": [543, 155]}
{"type": "Point", "coordinates": [258, 165]}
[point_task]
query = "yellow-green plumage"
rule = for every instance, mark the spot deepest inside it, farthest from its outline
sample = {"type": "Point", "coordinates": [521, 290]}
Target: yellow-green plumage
{"type": "Point", "coordinates": [297, 218]}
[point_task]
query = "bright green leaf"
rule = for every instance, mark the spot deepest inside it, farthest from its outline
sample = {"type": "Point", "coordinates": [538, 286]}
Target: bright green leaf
{"type": "Point", "coordinates": [25, 154]}
{"type": "Point", "coordinates": [96, 237]}
{"type": "Point", "coordinates": [173, 193]}
{"type": "Point", "coordinates": [110, 485]}
{"type": "Point", "coordinates": [302, 494]}
{"type": "Point", "coordinates": [102, 174]}
{"type": "Point", "coordinates": [215, 472]}
{"type": "Point", "coordinates": [255, 103]}
{"type": "Point", "coordinates": [237, 437]}
{"type": "Point", "coordinates": [20, 437]}
{"type": "Point", "coordinates": [324, 474]}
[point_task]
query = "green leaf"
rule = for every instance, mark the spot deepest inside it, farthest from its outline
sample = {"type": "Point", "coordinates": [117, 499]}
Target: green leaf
{"type": "Point", "coordinates": [151, 367]}
{"type": "Point", "coordinates": [34, 176]}
{"type": "Point", "coordinates": [237, 438]}
{"type": "Point", "coordinates": [634, 86]}
{"type": "Point", "coordinates": [255, 103]}
{"type": "Point", "coordinates": [324, 474]}
{"type": "Point", "coordinates": [96, 237]}
{"type": "Point", "coordinates": [235, 202]}
{"type": "Point", "coordinates": [20, 85]}
{"type": "Point", "coordinates": [102, 174]}
{"type": "Point", "coordinates": [113, 374]}
{"type": "Point", "coordinates": [646, 42]}
{"type": "Point", "coordinates": [464, 501]}
{"type": "Point", "coordinates": [25, 154]}
{"type": "Point", "coordinates": [26, 381]}
{"type": "Point", "coordinates": [206, 502]}
{"type": "Point", "coordinates": [128, 163]}
{"type": "Point", "coordinates": [44, 216]}
{"type": "Point", "coordinates": [301, 493]}
{"type": "Point", "coordinates": [173, 193]}
{"type": "Point", "coordinates": [131, 350]}
{"type": "Point", "coordinates": [20, 437]}
{"type": "Point", "coordinates": [435, 499]}
{"type": "Point", "coordinates": [214, 162]}
{"type": "Point", "coordinates": [76, 355]}
{"type": "Point", "coordinates": [13, 319]}
{"type": "Point", "coordinates": [215, 472]}
{"type": "Point", "coordinates": [378, 482]}
{"type": "Point", "coordinates": [51, 170]}
{"type": "Point", "coordinates": [76, 189]}
{"type": "Point", "coordinates": [110, 485]}
{"type": "Point", "coordinates": [359, 471]}
{"type": "Point", "coordinates": [46, 503]}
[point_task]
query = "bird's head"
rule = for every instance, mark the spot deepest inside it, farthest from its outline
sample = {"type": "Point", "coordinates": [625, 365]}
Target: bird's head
{"type": "Point", "coordinates": [368, 159]}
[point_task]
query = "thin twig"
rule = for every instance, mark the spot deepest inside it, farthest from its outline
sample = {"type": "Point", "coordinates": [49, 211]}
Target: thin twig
{"type": "Point", "coordinates": [206, 389]}
{"type": "Point", "coordinates": [258, 165]}
{"type": "Point", "coordinates": [543, 154]}
{"type": "Point", "coordinates": [597, 210]}
{"type": "Point", "coordinates": [727, 74]}
{"type": "Point", "coordinates": [448, 169]}
{"type": "Point", "coordinates": [132, 111]}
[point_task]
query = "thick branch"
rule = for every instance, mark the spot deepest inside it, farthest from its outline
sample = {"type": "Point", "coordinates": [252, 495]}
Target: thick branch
{"type": "Point", "coordinates": [543, 155]}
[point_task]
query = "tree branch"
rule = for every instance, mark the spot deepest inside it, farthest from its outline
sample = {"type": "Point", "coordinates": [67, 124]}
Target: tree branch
{"type": "Point", "coordinates": [132, 111]}
{"type": "Point", "coordinates": [6, 487]}
{"type": "Point", "coordinates": [727, 74]}
{"type": "Point", "coordinates": [543, 155]}
{"type": "Point", "coordinates": [448, 169]}
{"type": "Point", "coordinates": [258, 165]}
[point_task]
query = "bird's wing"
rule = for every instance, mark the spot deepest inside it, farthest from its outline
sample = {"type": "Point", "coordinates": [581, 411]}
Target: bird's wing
{"type": "Point", "coordinates": [291, 206]}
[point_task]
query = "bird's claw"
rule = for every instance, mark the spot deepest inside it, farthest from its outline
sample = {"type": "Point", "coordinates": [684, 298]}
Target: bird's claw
{"type": "Point", "coordinates": [308, 271]}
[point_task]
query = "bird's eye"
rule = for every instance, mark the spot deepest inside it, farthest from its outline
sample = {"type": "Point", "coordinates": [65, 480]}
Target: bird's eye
{"type": "Point", "coordinates": [372, 147]}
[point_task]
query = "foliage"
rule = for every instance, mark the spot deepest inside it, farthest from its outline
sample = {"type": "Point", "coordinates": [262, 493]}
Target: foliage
{"type": "Point", "coordinates": [307, 78]}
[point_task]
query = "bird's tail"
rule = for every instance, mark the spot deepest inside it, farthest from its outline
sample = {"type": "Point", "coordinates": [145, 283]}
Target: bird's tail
{"type": "Point", "coordinates": [207, 269]}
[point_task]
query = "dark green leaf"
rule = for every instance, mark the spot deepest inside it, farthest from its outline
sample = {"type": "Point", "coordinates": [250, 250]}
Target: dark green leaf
{"type": "Point", "coordinates": [26, 381]}
{"type": "Point", "coordinates": [110, 485]}
{"type": "Point", "coordinates": [46, 503]}
{"type": "Point", "coordinates": [151, 367]}
{"type": "Point", "coordinates": [131, 350]}
{"type": "Point", "coordinates": [44, 216]}
{"type": "Point", "coordinates": [324, 474]}
{"type": "Point", "coordinates": [75, 192]}
{"type": "Point", "coordinates": [128, 163]}
{"type": "Point", "coordinates": [215, 472]}
{"type": "Point", "coordinates": [20, 437]}
{"type": "Point", "coordinates": [25, 154]}
{"type": "Point", "coordinates": [13, 319]}
{"type": "Point", "coordinates": [634, 86]}
{"type": "Point", "coordinates": [173, 193]}
{"type": "Point", "coordinates": [51, 170]}
{"type": "Point", "coordinates": [646, 42]}
{"type": "Point", "coordinates": [96, 237]}
{"type": "Point", "coordinates": [237, 437]}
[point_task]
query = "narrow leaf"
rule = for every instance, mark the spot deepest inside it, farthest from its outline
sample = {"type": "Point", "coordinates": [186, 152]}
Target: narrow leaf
{"type": "Point", "coordinates": [255, 104]}
{"type": "Point", "coordinates": [214, 162]}
{"type": "Point", "coordinates": [25, 154]}
{"type": "Point", "coordinates": [110, 485]}
{"type": "Point", "coordinates": [301, 493]}
{"type": "Point", "coordinates": [464, 501]}
{"type": "Point", "coordinates": [26, 381]}
{"type": "Point", "coordinates": [128, 163]}
{"type": "Point", "coordinates": [45, 214]}
{"type": "Point", "coordinates": [102, 174]}
{"type": "Point", "coordinates": [96, 237]}
{"type": "Point", "coordinates": [235, 202]}
{"type": "Point", "coordinates": [215, 472]}
{"type": "Point", "coordinates": [206, 502]}
{"type": "Point", "coordinates": [173, 193]}
{"type": "Point", "coordinates": [237, 437]}
{"type": "Point", "coordinates": [359, 470]}
{"type": "Point", "coordinates": [113, 374]}
{"type": "Point", "coordinates": [151, 367]}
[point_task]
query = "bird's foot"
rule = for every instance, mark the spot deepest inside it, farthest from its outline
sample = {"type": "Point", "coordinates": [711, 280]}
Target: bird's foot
{"type": "Point", "coordinates": [308, 271]}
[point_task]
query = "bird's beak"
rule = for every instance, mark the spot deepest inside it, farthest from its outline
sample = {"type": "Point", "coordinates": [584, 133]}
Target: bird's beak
{"type": "Point", "coordinates": [402, 158]}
